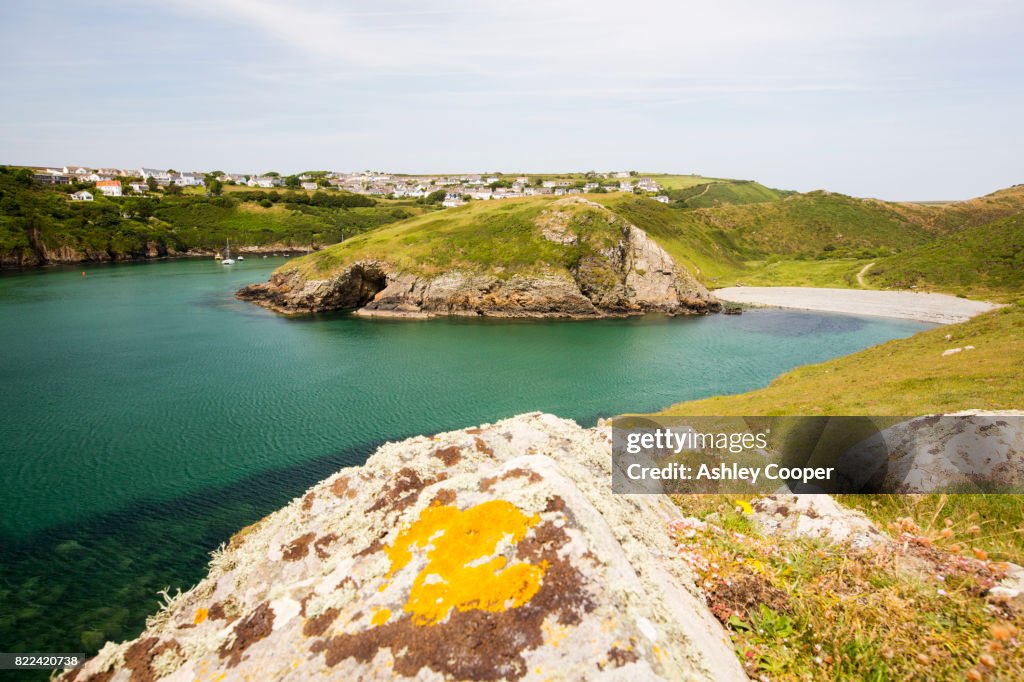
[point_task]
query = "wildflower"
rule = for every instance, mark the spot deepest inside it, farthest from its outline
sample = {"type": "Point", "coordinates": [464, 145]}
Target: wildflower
{"type": "Point", "coordinates": [942, 593]}
{"type": "Point", "coordinates": [973, 675]}
{"type": "Point", "coordinates": [980, 553]}
{"type": "Point", "coordinates": [987, 660]}
{"type": "Point", "coordinates": [1001, 632]}
{"type": "Point", "coordinates": [947, 533]}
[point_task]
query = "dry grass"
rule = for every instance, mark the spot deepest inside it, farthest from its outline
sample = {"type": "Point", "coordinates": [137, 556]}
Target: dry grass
{"type": "Point", "coordinates": [804, 610]}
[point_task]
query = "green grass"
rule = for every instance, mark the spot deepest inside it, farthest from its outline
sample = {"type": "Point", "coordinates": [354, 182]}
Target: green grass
{"type": "Point", "coordinates": [815, 224]}
{"type": "Point", "coordinates": [501, 238]}
{"type": "Point", "coordinates": [993, 523]}
{"type": "Point", "coordinates": [680, 181]}
{"type": "Point", "coordinates": [730, 192]}
{"type": "Point", "coordinates": [901, 377]}
{"type": "Point", "coordinates": [986, 261]}
{"type": "Point", "coordinates": [799, 609]}
{"type": "Point", "coordinates": [833, 272]}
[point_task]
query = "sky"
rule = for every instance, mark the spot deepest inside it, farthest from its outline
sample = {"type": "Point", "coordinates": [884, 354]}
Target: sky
{"type": "Point", "coordinates": [901, 100]}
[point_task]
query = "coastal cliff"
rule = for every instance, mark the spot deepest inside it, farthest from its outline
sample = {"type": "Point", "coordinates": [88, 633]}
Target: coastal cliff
{"type": "Point", "coordinates": [487, 553]}
{"type": "Point", "coordinates": [586, 262]}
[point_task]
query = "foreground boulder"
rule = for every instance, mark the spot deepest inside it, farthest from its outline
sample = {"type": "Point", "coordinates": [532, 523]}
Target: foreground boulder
{"type": "Point", "coordinates": [493, 553]}
{"type": "Point", "coordinates": [602, 266]}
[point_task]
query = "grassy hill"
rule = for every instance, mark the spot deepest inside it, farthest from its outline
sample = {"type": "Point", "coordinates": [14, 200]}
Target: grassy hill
{"type": "Point", "coordinates": [816, 223]}
{"type": "Point", "coordinates": [984, 261]}
{"type": "Point", "coordinates": [502, 238]}
{"type": "Point", "coordinates": [730, 192]}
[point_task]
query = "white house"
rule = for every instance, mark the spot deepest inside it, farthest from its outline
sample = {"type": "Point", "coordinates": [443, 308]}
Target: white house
{"type": "Point", "coordinates": [310, 186]}
{"type": "Point", "coordinates": [264, 181]}
{"type": "Point", "coordinates": [76, 170]}
{"type": "Point", "coordinates": [81, 195]}
{"type": "Point", "coordinates": [138, 187]}
{"type": "Point", "coordinates": [162, 177]}
{"type": "Point", "coordinates": [110, 188]}
{"type": "Point", "coordinates": [663, 199]}
{"type": "Point", "coordinates": [188, 180]}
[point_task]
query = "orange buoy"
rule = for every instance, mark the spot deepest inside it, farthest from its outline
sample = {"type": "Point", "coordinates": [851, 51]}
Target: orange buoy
{"type": "Point", "coordinates": [83, 273]}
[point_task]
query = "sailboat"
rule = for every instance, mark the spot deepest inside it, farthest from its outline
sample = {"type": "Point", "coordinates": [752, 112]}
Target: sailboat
{"type": "Point", "coordinates": [227, 255]}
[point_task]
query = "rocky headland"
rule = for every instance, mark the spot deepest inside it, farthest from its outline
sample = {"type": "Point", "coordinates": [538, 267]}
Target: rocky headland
{"type": "Point", "coordinates": [589, 263]}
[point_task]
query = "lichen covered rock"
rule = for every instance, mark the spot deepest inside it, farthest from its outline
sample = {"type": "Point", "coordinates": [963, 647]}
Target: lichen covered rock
{"type": "Point", "coordinates": [492, 553]}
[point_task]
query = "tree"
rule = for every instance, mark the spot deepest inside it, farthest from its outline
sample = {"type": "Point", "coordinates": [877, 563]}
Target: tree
{"type": "Point", "coordinates": [215, 187]}
{"type": "Point", "coordinates": [292, 182]}
{"type": "Point", "coordinates": [172, 190]}
{"type": "Point", "coordinates": [23, 176]}
{"type": "Point", "coordinates": [435, 197]}
{"type": "Point", "coordinates": [151, 184]}
{"type": "Point", "coordinates": [139, 207]}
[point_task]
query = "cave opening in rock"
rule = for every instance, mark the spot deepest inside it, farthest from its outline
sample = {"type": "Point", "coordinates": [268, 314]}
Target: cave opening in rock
{"type": "Point", "coordinates": [370, 282]}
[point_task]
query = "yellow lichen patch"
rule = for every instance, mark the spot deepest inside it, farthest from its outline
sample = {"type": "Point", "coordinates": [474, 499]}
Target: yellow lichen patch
{"type": "Point", "coordinates": [201, 613]}
{"type": "Point", "coordinates": [381, 616]}
{"type": "Point", "coordinates": [462, 572]}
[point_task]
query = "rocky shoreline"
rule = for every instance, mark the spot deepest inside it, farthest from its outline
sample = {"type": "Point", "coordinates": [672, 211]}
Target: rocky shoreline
{"type": "Point", "coordinates": [43, 257]}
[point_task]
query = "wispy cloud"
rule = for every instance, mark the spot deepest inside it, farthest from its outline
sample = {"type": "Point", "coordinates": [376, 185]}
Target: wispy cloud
{"type": "Point", "coordinates": [855, 96]}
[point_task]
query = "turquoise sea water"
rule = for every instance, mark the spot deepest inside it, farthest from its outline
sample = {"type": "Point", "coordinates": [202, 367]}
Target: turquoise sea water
{"type": "Point", "coordinates": [145, 414]}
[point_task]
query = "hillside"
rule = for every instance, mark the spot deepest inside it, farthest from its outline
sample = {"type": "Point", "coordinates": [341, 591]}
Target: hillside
{"type": "Point", "coordinates": [726, 192]}
{"type": "Point", "coordinates": [901, 377]}
{"type": "Point", "coordinates": [983, 261]}
{"type": "Point", "coordinates": [40, 225]}
{"type": "Point", "coordinates": [567, 257]}
{"type": "Point", "coordinates": [815, 223]}
{"type": "Point", "coordinates": [814, 239]}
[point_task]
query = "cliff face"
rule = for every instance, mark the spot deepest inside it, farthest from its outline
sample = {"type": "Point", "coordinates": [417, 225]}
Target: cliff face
{"type": "Point", "coordinates": [625, 275]}
{"type": "Point", "coordinates": [489, 553]}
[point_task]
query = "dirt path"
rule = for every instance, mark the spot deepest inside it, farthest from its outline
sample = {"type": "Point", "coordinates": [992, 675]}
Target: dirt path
{"type": "Point", "coordinates": [908, 305]}
{"type": "Point", "coordinates": [863, 271]}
